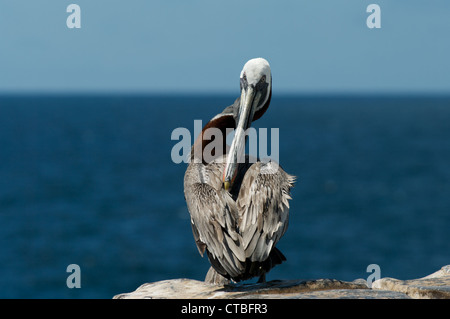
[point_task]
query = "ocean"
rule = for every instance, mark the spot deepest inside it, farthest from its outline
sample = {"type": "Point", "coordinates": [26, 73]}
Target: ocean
{"type": "Point", "coordinates": [89, 180]}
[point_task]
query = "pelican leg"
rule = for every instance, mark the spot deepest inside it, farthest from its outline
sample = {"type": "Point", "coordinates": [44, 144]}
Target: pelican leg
{"type": "Point", "coordinates": [213, 277]}
{"type": "Point", "coordinates": [262, 278]}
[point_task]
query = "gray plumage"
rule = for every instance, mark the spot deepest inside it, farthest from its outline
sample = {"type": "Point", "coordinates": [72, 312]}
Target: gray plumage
{"type": "Point", "coordinates": [239, 229]}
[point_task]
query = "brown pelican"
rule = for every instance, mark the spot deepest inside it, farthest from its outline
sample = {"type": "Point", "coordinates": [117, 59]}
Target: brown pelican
{"type": "Point", "coordinates": [239, 209]}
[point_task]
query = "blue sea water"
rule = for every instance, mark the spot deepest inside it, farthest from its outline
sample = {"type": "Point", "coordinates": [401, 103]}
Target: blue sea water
{"type": "Point", "coordinates": [89, 180]}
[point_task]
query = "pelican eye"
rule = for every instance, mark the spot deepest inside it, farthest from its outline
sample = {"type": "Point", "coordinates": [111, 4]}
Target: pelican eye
{"type": "Point", "coordinates": [263, 79]}
{"type": "Point", "coordinates": [244, 82]}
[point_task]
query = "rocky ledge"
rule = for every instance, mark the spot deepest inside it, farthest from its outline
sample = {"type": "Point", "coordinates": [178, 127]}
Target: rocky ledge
{"type": "Point", "coordinates": [436, 285]}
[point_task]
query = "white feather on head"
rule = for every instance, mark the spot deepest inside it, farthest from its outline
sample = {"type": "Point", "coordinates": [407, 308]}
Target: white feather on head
{"type": "Point", "coordinates": [254, 69]}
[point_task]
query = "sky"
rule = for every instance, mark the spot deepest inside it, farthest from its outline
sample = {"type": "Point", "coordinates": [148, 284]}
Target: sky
{"type": "Point", "coordinates": [200, 46]}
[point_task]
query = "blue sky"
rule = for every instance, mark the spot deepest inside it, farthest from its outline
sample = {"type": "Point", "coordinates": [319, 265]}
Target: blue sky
{"type": "Point", "coordinates": [200, 46]}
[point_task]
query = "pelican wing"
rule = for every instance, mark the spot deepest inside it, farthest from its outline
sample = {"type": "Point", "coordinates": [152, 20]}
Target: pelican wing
{"type": "Point", "coordinates": [263, 208]}
{"type": "Point", "coordinates": [213, 221]}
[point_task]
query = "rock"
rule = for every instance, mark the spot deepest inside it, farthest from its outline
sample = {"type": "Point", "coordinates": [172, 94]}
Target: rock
{"type": "Point", "coordinates": [276, 289]}
{"type": "Point", "coordinates": [436, 285]}
{"type": "Point", "coordinates": [347, 294]}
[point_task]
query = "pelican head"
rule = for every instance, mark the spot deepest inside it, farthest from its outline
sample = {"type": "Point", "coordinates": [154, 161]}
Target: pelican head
{"type": "Point", "coordinates": [256, 86]}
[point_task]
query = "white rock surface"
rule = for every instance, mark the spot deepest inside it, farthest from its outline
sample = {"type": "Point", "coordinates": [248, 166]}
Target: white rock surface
{"type": "Point", "coordinates": [436, 285]}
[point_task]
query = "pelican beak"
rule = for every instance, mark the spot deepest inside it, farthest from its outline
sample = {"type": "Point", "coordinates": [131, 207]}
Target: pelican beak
{"type": "Point", "coordinates": [249, 99]}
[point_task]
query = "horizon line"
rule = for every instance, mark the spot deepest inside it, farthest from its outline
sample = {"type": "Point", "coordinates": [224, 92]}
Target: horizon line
{"type": "Point", "coordinates": [184, 93]}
